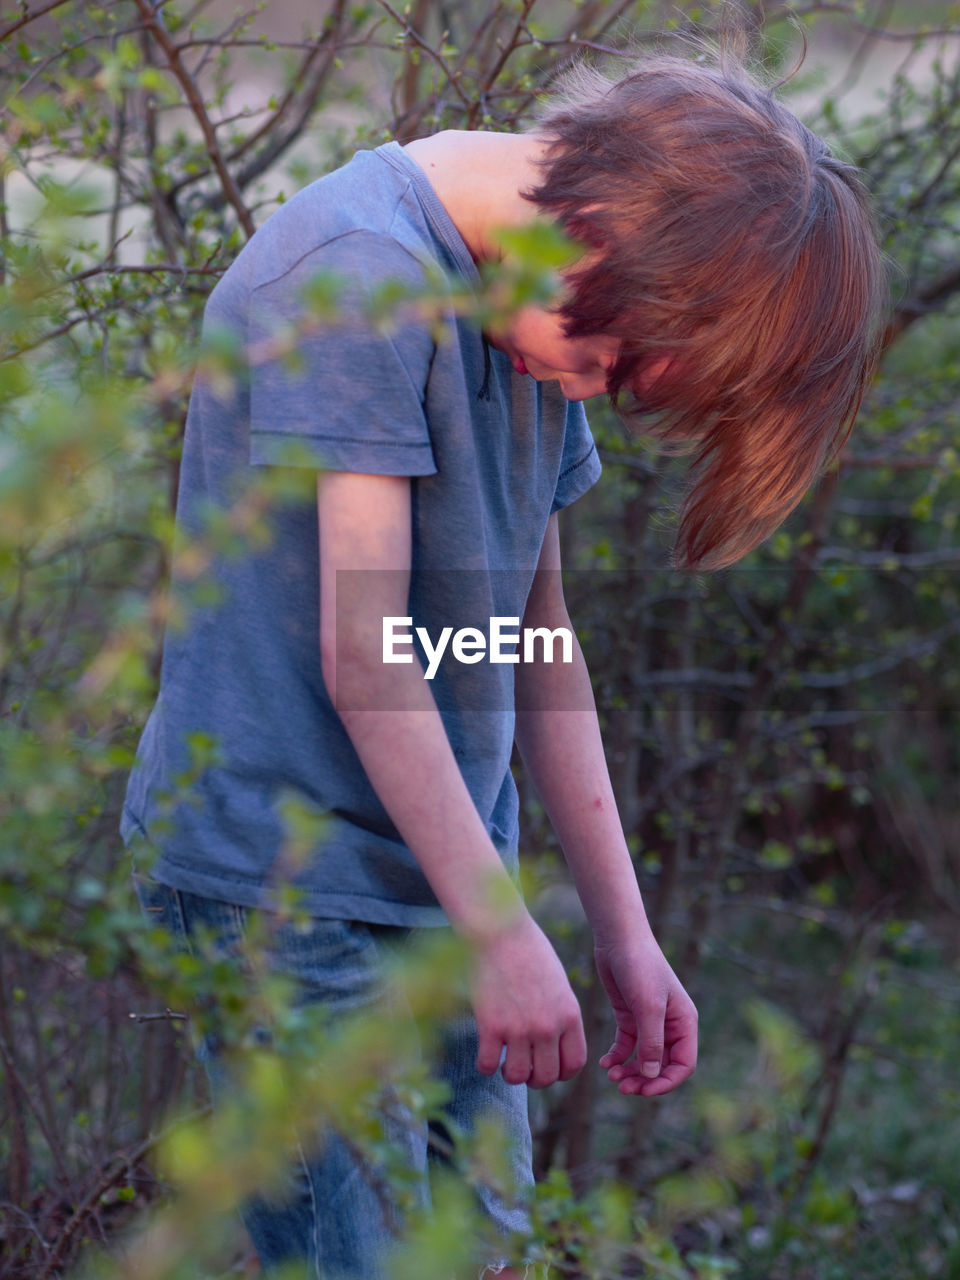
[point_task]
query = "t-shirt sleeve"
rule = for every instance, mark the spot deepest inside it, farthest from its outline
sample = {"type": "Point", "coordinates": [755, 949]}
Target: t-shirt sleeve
{"type": "Point", "coordinates": [580, 463]}
{"type": "Point", "coordinates": [345, 394]}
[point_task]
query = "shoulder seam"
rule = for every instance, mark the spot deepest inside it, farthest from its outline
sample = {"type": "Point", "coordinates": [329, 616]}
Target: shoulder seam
{"type": "Point", "coordinates": [344, 235]}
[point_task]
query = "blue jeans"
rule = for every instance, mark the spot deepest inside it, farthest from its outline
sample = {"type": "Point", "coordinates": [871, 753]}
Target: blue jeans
{"type": "Point", "coordinates": [336, 1214]}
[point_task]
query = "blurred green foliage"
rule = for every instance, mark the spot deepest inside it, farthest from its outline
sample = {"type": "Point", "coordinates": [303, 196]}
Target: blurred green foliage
{"type": "Point", "coordinates": [782, 736]}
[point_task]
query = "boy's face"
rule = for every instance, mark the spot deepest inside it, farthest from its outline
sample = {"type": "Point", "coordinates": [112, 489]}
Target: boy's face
{"type": "Point", "coordinates": [536, 344]}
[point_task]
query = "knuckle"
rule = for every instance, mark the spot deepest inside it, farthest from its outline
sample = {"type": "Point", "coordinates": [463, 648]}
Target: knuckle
{"type": "Point", "coordinates": [574, 1058]}
{"type": "Point", "coordinates": [542, 1031]}
{"type": "Point", "coordinates": [571, 1017]}
{"type": "Point", "coordinates": [495, 1033]}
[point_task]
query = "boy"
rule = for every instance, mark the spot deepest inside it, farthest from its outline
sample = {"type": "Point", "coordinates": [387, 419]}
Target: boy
{"type": "Point", "coordinates": [729, 286]}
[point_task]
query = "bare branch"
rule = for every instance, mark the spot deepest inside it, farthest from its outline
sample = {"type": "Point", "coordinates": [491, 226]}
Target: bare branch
{"type": "Point", "coordinates": [28, 16]}
{"type": "Point", "coordinates": [306, 92]}
{"type": "Point", "coordinates": [858, 61]}
{"type": "Point", "coordinates": [848, 11]}
{"type": "Point", "coordinates": [116, 1168]}
{"type": "Point", "coordinates": [159, 268]}
{"type": "Point", "coordinates": [50, 1137]}
{"type": "Point", "coordinates": [906, 462]}
{"type": "Point", "coordinates": [942, 558]}
{"type": "Point", "coordinates": [506, 53]}
{"type": "Point", "coordinates": [195, 99]}
{"type": "Point", "coordinates": [434, 54]}
{"type": "Point", "coordinates": [929, 300]}
{"type": "Point", "coordinates": [167, 1016]}
{"type": "Point", "coordinates": [309, 96]}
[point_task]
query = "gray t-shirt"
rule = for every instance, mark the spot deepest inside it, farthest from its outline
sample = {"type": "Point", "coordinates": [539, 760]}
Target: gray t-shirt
{"type": "Point", "coordinates": [243, 721]}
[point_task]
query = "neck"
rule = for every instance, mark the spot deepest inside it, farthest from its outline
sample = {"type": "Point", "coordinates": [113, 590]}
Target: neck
{"type": "Point", "coordinates": [479, 178]}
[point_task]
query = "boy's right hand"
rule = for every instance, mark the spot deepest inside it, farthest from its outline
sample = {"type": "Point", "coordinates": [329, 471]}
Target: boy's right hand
{"type": "Point", "coordinates": [522, 1000]}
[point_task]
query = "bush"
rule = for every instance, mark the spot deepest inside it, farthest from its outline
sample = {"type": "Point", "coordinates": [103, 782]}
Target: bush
{"type": "Point", "coordinates": [781, 736]}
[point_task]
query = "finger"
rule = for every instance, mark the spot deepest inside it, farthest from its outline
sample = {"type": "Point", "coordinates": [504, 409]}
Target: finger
{"type": "Point", "coordinates": [650, 1038]}
{"type": "Point", "coordinates": [648, 1069]}
{"type": "Point", "coordinates": [628, 1070]}
{"type": "Point", "coordinates": [573, 1051]}
{"type": "Point", "coordinates": [625, 1041]}
{"type": "Point", "coordinates": [646, 1052]}
{"type": "Point", "coordinates": [489, 1048]}
{"type": "Point", "coordinates": [670, 1076]}
{"type": "Point", "coordinates": [545, 1069]}
{"type": "Point", "coordinates": [517, 1064]}
{"type": "Point", "coordinates": [681, 1060]}
{"type": "Point", "coordinates": [681, 1056]}
{"type": "Point", "coordinates": [622, 1047]}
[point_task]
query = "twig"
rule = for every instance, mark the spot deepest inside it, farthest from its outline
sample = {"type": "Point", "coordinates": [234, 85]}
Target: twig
{"type": "Point", "coordinates": [942, 557]}
{"type": "Point", "coordinates": [826, 917]}
{"type": "Point", "coordinates": [926, 301]}
{"type": "Point", "coordinates": [505, 53]}
{"type": "Point", "coordinates": [28, 16]}
{"type": "Point", "coordinates": [847, 10]}
{"type": "Point", "coordinates": [835, 1064]}
{"type": "Point", "coordinates": [909, 462]}
{"type": "Point", "coordinates": [309, 93]}
{"type": "Point", "coordinates": [222, 39]}
{"type": "Point", "coordinates": [856, 63]}
{"type": "Point", "coordinates": [18, 1080]}
{"type": "Point", "coordinates": [9, 1207]}
{"type": "Point", "coordinates": [428, 49]}
{"type": "Point", "coordinates": [167, 1016]}
{"type": "Point", "coordinates": [108, 1178]}
{"type": "Point", "coordinates": [195, 99]}
{"type": "Point", "coordinates": [143, 269]}
{"type": "Point", "coordinates": [763, 681]}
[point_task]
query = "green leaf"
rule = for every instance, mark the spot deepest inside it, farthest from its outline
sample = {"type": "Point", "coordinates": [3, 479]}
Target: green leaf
{"type": "Point", "coordinates": [538, 245]}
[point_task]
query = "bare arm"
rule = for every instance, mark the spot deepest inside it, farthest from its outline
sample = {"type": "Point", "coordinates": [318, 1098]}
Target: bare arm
{"type": "Point", "coordinates": [521, 996]}
{"type": "Point", "coordinates": [559, 739]}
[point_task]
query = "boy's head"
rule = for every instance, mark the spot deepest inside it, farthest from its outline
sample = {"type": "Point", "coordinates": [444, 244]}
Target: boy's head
{"type": "Point", "coordinates": [731, 249]}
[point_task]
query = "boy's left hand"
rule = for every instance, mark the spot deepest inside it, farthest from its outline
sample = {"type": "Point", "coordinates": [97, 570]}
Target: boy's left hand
{"type": "Point", "coordinates": [655, 1048]}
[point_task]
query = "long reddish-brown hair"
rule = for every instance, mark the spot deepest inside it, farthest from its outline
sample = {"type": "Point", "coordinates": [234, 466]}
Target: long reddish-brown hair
{"type": "Point", "coordinates": [731, 243]}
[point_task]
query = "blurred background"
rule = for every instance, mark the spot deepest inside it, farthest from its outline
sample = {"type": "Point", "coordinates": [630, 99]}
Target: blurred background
{"type": "Point", "coordinates": [783, 735]}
